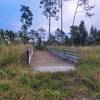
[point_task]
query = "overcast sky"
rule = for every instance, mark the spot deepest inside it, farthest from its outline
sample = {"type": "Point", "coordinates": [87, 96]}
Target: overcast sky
{"type": "Point", "coordinates": [10, 15]}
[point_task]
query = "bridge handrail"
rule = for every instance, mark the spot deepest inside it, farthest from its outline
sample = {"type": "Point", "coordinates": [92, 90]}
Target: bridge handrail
{"type": "Point", "coordinates": [66, 55]}
{"type": "Point", "coordinates": [68, 52]}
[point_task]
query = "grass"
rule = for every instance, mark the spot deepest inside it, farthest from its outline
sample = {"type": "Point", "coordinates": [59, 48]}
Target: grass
{"type": "Point", "coordinates": [89, 70]}
{"type": "Point", "coordinates": [19, 82]}
{"type": "Point", "coordinates": [12, 54]}
{"type": "Point", "coordinates": [48, 86]}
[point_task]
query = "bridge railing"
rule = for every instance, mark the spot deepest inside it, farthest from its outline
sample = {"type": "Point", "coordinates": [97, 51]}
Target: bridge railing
{"type": "Point", "coordinates": [71, 54]}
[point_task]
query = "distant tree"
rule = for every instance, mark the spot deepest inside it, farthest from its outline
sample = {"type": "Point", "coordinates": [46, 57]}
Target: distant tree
{"type": "Point", "coordinates": [26, 20]}
{"type": "Point", "coordinates": [86, 9]}
{"type": "Point", "coordinates": [60, 5]}
{"type": "Point", "coordinates": [23, 37]}
{"type": "Point", "coordinates": [63, 36]}
{"type": "Point", "coordinates": [83, 33]}
{"type": "Point", "coordinates": [42, 33]}
{"type": "Point", "coordinates": [20, 36]}
{"type": "Point", "coordinates": [2, 37]}
{"type": "Point", "coordinates": [34, 35]}
{"type": "Point", "coordinates": [93, 32]}
{"type": "Point", "coordinates": [11, 36]}
{"type": "Point", "coordinates": [66, 42]}
{"type": "Point", "coordinates": [52, 40]}
{"type": "Point", "coordinates": [39, 44]}
{"type": "Point", "coordinates": [79, 34]}
{"type": "Point", "coordinates": [50, 10]}
{"type": "Point", "coordinates": [7, 36]}
{"type": "Point", "coordinates": [94, 35]}
{"type": "Point", "coordinates": [75, 35]}
{"type": "Point", "coordinates": [98, 37]}
{"type": "Point", "coordinates": [60, 36]}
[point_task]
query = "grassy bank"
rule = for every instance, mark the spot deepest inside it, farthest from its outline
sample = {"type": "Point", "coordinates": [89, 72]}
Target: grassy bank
{"type": "Point", "coordinates": [19, 82]}
{"type": "Point", "coordinates": [12, 65]}
{"type": "Point", "coordinates": [88, 71]}
{"type": "Point", "coordinates": [13, 54]}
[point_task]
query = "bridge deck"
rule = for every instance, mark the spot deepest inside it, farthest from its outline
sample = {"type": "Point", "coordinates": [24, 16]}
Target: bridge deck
{"type": "Point", "coordinates": [44, 61]}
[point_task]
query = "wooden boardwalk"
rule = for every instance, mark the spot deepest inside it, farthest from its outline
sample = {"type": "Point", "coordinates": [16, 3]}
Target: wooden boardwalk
{"type": "Point", "coordinates": [44, 61]}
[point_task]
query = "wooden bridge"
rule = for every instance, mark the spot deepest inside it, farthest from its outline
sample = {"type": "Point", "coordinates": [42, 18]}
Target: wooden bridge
{"type": "Point", "coordinates": [53, 60]}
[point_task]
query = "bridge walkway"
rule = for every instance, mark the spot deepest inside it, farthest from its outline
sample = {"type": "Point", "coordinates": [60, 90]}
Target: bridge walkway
{"type": "Point", "coordinates": [43, 61]}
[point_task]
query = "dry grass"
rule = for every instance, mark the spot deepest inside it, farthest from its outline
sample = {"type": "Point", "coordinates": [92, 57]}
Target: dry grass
{"type": "Point", "coordinates": [89, 70]}
{"type": "Point", "coordinates": [13, 54]}
{"type": "Point", "coordinates": [90, 54]}
{"type": "Point", "coordinates": [21, 83]}
{"type": "Point", "coordinates": [12, 67]}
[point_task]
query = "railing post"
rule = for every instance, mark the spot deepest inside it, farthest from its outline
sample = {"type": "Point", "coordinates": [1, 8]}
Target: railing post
{"type": "Point", "coordinates": [27, 56]}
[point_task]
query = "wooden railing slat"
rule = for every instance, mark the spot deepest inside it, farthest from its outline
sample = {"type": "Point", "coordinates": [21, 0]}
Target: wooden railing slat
{"type": "Point", "coordinates": [65, 55]}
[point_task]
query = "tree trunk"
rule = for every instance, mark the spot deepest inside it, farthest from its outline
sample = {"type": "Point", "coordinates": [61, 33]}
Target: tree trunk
{"type": "Point", "coordinates": [49, 25]}
{"type": "Point", "coordinates": [61, 15]}
{"type": "Point", "coordinates": [61, 21]}
{"type": "Point", "coordinates": [73, 23]}
{"type": "Point", "coordinates": [75, 13]}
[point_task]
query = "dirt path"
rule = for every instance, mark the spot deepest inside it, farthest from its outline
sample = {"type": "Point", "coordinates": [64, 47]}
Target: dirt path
{"type": "Point", "coordinates": [43, 61]}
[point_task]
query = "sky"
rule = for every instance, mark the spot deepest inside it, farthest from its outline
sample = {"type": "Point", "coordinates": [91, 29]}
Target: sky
{"type": "Point", "coordinates": [10, 15]}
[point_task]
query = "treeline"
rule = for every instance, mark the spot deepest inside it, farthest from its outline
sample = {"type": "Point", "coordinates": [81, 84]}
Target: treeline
{"type": "Point", "coordinates": [78, 35]}
{"type": "Point", "coordinates": [11, 37]}
{"type": "Point", "coordinates": [7, 36]}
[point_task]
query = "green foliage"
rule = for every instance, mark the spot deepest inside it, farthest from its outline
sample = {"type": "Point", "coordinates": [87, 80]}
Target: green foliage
{"type": "Point", "coordinates": [79, 34]}
{"type": "Point", "coordinates": [75, 35]}
{"type": "Point", "coordinates": [60, 36]}
{"type": "Point", "coordinates": [5, 73]}
{"type": "Point", "coordinates": [42, 84]}
{"type": "Point", "coordinates": [26, 19]}
{"type": "Point", "coordinates": [26, 80]}
{"type": "Point", "coordinates": [83, 33]}
{"type": "Point", "coordinates": [7, 37]}
{"type": "Point", "coordinates": [50, 9]}
{"type": "Point", "coordinates": [4, 87]}
{"type": "Point", "coordinates": [94, 35]}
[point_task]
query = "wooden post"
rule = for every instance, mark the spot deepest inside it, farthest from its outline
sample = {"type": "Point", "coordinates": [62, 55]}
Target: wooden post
{"type": "Point", "coordinates": [27, 56]}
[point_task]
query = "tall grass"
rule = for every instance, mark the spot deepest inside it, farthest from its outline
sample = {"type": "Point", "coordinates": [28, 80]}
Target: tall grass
{"type": "Point", "coordinates": [90, 55]}
{"type": "Point", "coordinates": [19, 82]}
{"type": "Point", "coordinates": [12, 67]}
{"type": "Point", "coordinates": [13, 54]}
{"type": "Point", "coordinates": [12, 57]}
{"type": "Point", "coordinates": [88, 71]}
